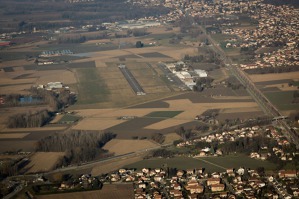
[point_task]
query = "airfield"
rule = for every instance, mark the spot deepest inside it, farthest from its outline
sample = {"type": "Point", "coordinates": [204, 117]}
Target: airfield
{"type": "Point", "coordinates": [105, 95]}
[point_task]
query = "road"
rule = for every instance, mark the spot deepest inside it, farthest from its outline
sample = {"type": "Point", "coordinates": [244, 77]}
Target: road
{"type": "Point", "coordinates": [110, 159]}
{"type": "Point", "coordinates": [257, 95]}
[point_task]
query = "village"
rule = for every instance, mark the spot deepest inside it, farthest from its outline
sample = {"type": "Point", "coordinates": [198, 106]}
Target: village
{"type": "Point", "coordinates": [168, 182]}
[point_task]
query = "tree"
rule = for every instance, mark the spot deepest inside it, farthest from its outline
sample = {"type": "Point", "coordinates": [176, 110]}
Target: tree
{"type": "Point", "coordinates": [139, 44]}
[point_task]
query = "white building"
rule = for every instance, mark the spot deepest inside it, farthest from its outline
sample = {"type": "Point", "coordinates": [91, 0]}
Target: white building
{"type": "Point", "coordinates": [201, 73]}
{"type": "Point", "coordinates": [54, 85]}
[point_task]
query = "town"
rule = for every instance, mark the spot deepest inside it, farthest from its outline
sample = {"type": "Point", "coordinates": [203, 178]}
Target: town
{"type": "Point", "coordinates": [149, 99]}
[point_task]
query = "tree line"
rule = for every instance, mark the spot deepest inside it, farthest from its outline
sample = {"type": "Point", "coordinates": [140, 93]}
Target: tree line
{"type": "Point", "coordinates": [29, 119]}
{"type": "Point", "coordinates": [79, 146]}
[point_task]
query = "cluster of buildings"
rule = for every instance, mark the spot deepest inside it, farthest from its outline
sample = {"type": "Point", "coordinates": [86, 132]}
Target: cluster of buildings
{"type": "Point", "coordinates": [277, 26]}
{"type": "Point", "coordinates": [55, 53]}
{"type": "Point", "coordinates": [160, 183]}
{"type": "Point", "coordinates": [225, 136]}
{"type": "Point", "coordinates": [183, 72]}
{"type": "Point", "coordinates": [280, 150]}
{"type": "Point", "coordinates": [277, 29]}
{"type": "Point", "coordinates": [199, 8]}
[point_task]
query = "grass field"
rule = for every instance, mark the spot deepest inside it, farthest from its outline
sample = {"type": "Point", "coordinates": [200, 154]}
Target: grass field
{"type": "Point", "coordinates": [91, 87]}
{"type": "Point", "coordinates": [68, 119]}
{"type": "Point", "coordinates": [164, 114]}
{"type": "Point", "coordinates": [282, 100]}
{"type": "Point", "coordinates": [211, 164]}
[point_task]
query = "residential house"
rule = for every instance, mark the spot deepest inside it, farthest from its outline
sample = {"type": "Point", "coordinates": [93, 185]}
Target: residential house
{"type": "Point", "coordinates": [217, 187]}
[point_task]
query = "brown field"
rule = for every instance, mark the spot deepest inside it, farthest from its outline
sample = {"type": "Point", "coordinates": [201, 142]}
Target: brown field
{"type": "Point", "coordinates": [100, 119]}
{"type": "Point", "coordinates": [240, 110]}
{"type": "Point", "coordinates": [64, 76]}
{"type": "Point", "coordinates": [120, 147]}
{"type": "Point", "coordinates": [43, 161]}
{"type": "Point", "coordinates": [97, 124]}
{"type": "Point", "coordinates": [274, 76]}
{"type": "Point", "coordinates": [10, 157]}
{"type": "Point", "coordinates": [231, 97]}
{"type": "Point", "coordinates": [109, 191]}
{"type": "Point", "coordinates": [36, 129]}
{"type": "Point", "coordinates": [26, 146]}
{"type": "Point", "coordinates": [13, 135]}
{"type": "Point", "coordinates": [170, 137]}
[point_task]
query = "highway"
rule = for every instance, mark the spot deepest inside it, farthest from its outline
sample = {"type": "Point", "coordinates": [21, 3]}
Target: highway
{"type": "Point", "coordinates": [257, 95]}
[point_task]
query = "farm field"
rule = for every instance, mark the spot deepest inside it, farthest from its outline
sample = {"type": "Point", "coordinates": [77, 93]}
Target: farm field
{"type": "Point", "coordinates": [282, 100]}
{"type": "Point", "coordinates": [119, 147]}
{"type": "Point", "coordinates": [9, 145]}
{"type": "Point", "coordinates": [210, 164]}
{"type": "Point", "coordinates": [274, 77]}
{"type": "Point", "coordinates": [12, 135]}
{"type": "Point", "coordinates": [43, 161]}
{"type": "Point", "coordinates": [170, 137]}
{"type": "Point", "coordinates": [164, 114]}
{"type": "Point", "coordinates": [109, 191]}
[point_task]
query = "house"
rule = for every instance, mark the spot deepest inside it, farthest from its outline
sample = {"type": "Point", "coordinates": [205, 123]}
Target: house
{"type": "Point", "coordinates": [145, 170]}
{"type": "Point", "coordinates": [192, 196]}
{"type": "Point", "coordinates": [195, 188]}
{"type": "Point", "coordinates": [142, 186]}
{"type": "Point", "coordinates": [217, 187]}
{"type": "Point", "coordinates": [287, 173]}
{"type": "Point", "coordinates": [190, 171]}
{"type": "Point", "coordinates": [180, 173]}
{"type": "Point", "coordinates": [212, 181]}
{"type": "Point", "coordinates": [176, 193]}
{"type": "Point", "coordinates": [176, 187]}
{"type": "Point", "coordinates": [157, 178]}
{"type": "Point", "coordinates": [230, 172]}
{"type": "Point", "coordinates": [122, 171]}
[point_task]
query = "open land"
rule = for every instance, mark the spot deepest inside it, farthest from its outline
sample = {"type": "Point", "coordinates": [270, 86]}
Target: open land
{"type": "Point", "coordinates": [104, 95]}
{"type": "Point", "coordinates": [43, 161]}
{"type": "Point", "coordinates": [119, 147]}
{"type": "Point", "coordinates": [109, 191]}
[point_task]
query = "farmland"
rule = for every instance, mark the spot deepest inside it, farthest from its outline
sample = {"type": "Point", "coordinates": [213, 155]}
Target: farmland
{"type": "Point", "coordinates": [108, 192]}
{"type": "Point", "coordinates": [119, 146]}
{"type": "Point", "coordinates": [282, 100]}
{"type": "Point", "coordinates": [164, 114]}
{"type": "Point", "coordinates": [43, 161]}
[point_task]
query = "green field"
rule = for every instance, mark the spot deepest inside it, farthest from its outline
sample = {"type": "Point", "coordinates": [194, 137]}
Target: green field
{"type": "Point", "coordinates": [68, 119]}
{"type": "Point", "coordinates": [282, 100]}
{"type": "Point", "coordinates": [165, 114]}
{"type": "Point", "coordinates": [91, 88]}
{"type": "Point", "coordinates": [211, 164]}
